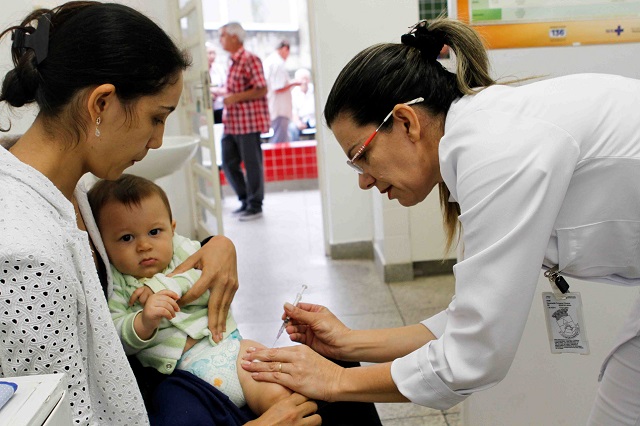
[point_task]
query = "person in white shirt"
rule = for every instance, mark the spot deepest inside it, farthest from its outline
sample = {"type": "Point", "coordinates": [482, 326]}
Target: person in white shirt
{"type": "Point", "coordinates": [218, 77]}
{"type": "Point", "coordinates": [533, 177]}
{"type": "Point", "coordinates": [279, 94]}
{"type": "Point", "coordinates": [304, 106]}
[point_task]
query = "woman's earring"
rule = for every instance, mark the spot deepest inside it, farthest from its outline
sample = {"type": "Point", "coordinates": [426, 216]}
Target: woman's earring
{"type": "Point", "coordinates": [98, 121]}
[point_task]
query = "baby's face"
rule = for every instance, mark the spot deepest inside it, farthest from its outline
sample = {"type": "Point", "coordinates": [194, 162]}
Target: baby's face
{"type": "Point", "coordinates": [138, 239]}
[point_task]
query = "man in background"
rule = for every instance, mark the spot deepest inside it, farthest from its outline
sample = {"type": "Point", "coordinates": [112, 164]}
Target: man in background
{"type": "Point", "coordinates": [245, 117]}
{"type": "Point", "coordinates": [279, 95]}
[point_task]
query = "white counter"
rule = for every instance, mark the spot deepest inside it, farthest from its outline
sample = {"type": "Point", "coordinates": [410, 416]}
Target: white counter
{"type": "Point", "coordinates": [39, 400]}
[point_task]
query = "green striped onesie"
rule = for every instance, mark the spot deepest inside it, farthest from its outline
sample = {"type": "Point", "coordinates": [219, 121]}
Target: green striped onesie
{"type": "Point", "coordinates": [164, 348]}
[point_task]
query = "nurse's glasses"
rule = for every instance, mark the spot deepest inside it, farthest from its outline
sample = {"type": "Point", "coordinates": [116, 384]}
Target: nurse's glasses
{"type": "Point", "coordinates": [352, 162]}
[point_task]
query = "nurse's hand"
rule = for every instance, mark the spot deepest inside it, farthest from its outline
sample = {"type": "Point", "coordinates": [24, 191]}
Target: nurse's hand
{"type": "Point", "coordinates": [298, 368]}
{"type": "Point", "coordinates": [318, 328]}
{"type": "Point", "coordinates": [295, 410]}
{"type": "Point", "coordinates": [218, 263]}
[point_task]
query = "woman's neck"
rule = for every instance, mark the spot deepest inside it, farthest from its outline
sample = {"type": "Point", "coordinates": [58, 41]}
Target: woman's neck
{"type": "Point", "coordinates": [60, 161]}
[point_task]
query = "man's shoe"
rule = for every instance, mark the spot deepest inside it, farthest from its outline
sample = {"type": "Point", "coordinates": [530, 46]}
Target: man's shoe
{"type": "Point", "coordinates": [250, 213]}
{"type": "Point", "coordinates": [240, 209]}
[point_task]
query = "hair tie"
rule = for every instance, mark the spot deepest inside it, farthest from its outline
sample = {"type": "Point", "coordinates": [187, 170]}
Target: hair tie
{"type": "Point", "coordinates": [37, 39]}
{"type": "Point", "coordinates": [430, 43]}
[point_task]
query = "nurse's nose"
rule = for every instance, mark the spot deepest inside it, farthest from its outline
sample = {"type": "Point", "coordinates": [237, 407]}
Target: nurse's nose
{"type": "Point", "coordinates": [366, 181]}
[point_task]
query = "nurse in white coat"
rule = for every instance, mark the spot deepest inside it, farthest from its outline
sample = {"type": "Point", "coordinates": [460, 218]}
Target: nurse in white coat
{"type": "Point", "coordinates": [534, 176]}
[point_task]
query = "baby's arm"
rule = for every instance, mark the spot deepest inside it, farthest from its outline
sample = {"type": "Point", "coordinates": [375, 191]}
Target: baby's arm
{"type": "Point", "coordinates": [136, 328]}
{"type": "Point", "coordinates": [179, 284]}
{"type": "Point", "coordinates": [159, 305]}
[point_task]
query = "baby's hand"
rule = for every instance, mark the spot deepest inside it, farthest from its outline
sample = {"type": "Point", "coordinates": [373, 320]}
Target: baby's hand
{"type": "Point", "coordinates": [140, 295]}
{"type": "Point", "coordinates": [159, 305]}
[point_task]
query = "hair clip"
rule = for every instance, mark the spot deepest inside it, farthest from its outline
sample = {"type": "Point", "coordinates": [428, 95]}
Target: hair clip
{"type": "Point", "coordinates": [38, 40]}
{"type": "Point", "coordinates": [430, 43]}
{"type": "Point", "coordinates": [421, 23]}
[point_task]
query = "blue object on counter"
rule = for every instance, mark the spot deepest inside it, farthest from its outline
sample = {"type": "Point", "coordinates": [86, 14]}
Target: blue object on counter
{"type": "Point", "coordinates": [7, 389]}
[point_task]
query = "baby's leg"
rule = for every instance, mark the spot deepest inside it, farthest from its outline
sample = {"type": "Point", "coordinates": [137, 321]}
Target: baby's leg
{"type": "Point", "coordinates": [260, 396]}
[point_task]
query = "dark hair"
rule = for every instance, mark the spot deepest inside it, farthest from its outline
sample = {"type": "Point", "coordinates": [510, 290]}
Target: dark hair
{"type": "Point", "coordinates": [384, 75]}
{"type": "Point", "coordinates": [128, 189]}
{"type": "Point", "coordinates": [89, 43]}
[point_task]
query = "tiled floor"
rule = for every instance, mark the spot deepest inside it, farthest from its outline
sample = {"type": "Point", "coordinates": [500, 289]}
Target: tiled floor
{"type": "Point", "coordinates": [284, 249]}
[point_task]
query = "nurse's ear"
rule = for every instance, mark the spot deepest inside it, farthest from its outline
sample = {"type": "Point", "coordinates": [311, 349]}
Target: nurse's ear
{"type": "Point", "coordinates": [409, 119]}
{"type": "Point", "coordinates": [100, 99]}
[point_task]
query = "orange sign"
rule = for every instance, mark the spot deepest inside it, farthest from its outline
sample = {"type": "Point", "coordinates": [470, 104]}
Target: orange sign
{"type": "Point", "coordinates": [508, 23]}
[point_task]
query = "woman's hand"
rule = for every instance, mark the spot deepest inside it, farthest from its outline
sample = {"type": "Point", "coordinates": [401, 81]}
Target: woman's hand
{"type": "Point", "coordinates": [316, 327]}
{"type": "Point", "coordinates": [218, 263]}
{"type": "Point", "coordinates": [298, 368]}
{"type": "Point", "coordinates": [295, 410]}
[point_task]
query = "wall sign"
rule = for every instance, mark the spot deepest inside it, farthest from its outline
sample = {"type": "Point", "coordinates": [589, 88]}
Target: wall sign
{"type": "Point", "coordinates": [529, 23]}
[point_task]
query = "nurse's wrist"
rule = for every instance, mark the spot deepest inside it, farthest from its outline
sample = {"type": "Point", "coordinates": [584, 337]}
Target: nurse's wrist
{"type": "Point", "coordinates": [354, 346]}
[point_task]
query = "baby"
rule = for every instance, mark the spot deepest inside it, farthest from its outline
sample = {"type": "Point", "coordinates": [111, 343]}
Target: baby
{"type": "Point", "coordinates": [136, 224]}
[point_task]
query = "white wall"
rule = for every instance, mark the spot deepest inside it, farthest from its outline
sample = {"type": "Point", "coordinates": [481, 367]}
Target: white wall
{"type": "Point", "coordinates": [340, 29]}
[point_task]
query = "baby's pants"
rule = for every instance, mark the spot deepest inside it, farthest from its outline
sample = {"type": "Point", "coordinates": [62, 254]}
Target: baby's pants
{"type": "Point", "coordinates": [216, 365]}
{"type": "Point", "coordinates": [618, 400]}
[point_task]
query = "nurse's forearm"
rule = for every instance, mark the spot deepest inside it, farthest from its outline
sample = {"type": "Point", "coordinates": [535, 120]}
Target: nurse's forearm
{"type": "Point", "coordinates": [386, 344]}
{"type": "Point", "coordinates": [368, 384]}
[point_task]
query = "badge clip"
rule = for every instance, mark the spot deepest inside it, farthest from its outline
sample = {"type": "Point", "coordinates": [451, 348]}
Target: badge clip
{"type": "Point", "coordinates": [559, 285]}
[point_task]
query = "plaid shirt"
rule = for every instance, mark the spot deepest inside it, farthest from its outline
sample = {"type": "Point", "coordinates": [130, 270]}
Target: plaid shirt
{"type": "Point", "coordinates": [250, 116]}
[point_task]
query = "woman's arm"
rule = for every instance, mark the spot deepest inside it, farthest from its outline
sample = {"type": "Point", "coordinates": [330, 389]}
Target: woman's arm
{"type": "Point", "coordinates": [384, 345]}
{"type": "Point", "coordinates": [318, 328]}
{"type": "Point", "coordinates": [304, 371]}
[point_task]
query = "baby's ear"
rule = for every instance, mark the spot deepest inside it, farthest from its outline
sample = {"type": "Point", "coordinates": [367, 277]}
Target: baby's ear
{"type": "Point", "coordinates": [173, 225]}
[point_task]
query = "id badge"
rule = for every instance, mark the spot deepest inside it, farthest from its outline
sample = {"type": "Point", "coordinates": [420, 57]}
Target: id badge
{"type": "Point", "coordinates": [565, 323]}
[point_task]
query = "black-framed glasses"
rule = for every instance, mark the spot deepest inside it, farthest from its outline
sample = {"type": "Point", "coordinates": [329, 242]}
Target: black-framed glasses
{"type": "Point", "coordinates": [366, 143]}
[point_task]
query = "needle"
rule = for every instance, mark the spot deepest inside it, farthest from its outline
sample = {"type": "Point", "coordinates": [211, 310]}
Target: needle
{"type": "Point", "coordinates": [287, 319]}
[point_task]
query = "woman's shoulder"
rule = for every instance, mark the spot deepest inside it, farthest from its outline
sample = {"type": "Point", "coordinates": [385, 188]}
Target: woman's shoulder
{"type": "Point", "coordinates": [30, 225]}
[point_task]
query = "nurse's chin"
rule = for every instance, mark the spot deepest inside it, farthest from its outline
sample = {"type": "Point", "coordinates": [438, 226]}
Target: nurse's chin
{"type": "Point", "coordinates": [409, 201]}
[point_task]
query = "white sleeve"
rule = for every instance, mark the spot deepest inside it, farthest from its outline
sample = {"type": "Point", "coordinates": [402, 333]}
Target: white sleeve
{"type": "Point", "coordinates": [509, 175]}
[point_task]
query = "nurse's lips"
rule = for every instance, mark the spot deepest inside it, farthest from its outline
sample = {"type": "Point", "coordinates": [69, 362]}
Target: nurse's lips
{"type": "Point", "coordinates": [387, 191]}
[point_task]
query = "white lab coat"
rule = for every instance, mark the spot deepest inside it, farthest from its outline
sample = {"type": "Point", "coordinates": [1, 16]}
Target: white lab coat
{"type": "Point", "coordinates": [546, 173]}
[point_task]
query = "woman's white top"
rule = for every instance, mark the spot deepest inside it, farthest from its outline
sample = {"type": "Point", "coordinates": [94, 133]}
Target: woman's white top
{"type": "Point", "coordinates": [53, 313]}
{"type": "Point", "coordinates": [546, 173]}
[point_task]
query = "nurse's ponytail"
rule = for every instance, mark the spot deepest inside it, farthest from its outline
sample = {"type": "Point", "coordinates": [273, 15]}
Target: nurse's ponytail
{"type": "Point", "coordinates": [472, 62]}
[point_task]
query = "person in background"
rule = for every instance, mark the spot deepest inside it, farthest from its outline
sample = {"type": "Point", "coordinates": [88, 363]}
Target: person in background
{"type": "Point", "coordinates": [245, 117]}
{"type": "Point", "coordinates": [138, 230]}
{"type": "Point", "coordinates": [279, 95]}
{"type": "Point", "coordinates": [103, 95]}
{"type": "Point", "coordinates": [218, 77]}
{"type": "Point", "coordinates": [532, 177]}
{"type": "Point", "coordinates": [304, 106]}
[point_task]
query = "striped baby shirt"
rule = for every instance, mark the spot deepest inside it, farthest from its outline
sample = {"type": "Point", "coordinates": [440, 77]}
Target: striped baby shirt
{"type": "Point", "coordinates": [162, 350]}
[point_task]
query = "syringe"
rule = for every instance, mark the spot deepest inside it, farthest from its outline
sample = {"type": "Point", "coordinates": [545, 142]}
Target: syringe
{"type": "Point", "coordinates": [287, 319]}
